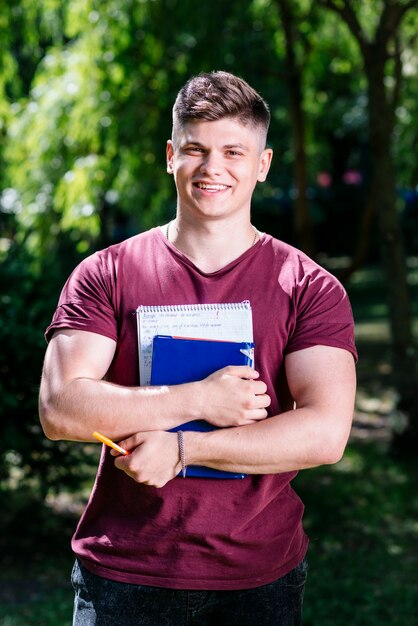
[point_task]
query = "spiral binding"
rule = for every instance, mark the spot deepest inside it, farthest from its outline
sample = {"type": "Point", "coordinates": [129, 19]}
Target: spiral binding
{"type": "Point", "coordinates": [195, 307]}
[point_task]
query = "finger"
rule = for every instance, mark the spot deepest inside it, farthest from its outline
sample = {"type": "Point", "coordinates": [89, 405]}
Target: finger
{"type": "Point", "coordinates": [128, 444]}
{"type": "Point", "coordinates": [263, 401]}
{"type": "Point", "coordinates": [256, 415]}
{"type": "Point", "coordinates": [259, 402]}
{"type": "Point", "coordinates": [258, 387]}
{"type": "Point", "coordinates": [133, 441]}
{"type": "Point", "coordinates": [124, 446]}
{"type": "Point", "coordinates": [122, 462]}
{"type": "Point", "coordinates": [256, 395]}
{"type": "Point", "coordinates": [241, 371]}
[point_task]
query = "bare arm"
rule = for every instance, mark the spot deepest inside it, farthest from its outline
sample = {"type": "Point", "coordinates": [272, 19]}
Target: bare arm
{"type": "Point", "coordinates": [322, 382]}
{"type": "Point", "coordinates": [74, 399]}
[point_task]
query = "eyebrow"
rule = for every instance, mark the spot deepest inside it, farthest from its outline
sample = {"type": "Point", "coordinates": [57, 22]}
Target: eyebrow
{"type": "Point", "coordinates": [241, 146]}
{"type": "Point", "coordinates": [230, 146]}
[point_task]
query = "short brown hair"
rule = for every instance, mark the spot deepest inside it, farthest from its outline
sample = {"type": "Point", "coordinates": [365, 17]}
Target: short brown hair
{"type": "Point", "coordinates": [215, 95]}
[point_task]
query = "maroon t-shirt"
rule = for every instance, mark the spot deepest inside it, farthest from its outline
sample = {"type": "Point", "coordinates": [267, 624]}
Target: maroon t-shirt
{"type": "Point", "coordinates": [200, 533]}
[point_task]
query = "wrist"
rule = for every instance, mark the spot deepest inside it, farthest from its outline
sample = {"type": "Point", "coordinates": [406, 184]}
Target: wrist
{"type": "Point", "coordinates": [194, 443]}
{"type": "Point", "coordinates": [195, 401]}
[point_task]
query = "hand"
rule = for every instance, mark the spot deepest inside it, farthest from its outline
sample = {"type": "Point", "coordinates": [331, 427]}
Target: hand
{"type": "Point", "coordinates": [233, 397]}
{"type": "Point", "coordinates": [154, 457]}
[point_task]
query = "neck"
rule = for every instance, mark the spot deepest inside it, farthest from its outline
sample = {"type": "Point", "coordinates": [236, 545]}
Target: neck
{"type": "Point", "coordinates": [210, 247]}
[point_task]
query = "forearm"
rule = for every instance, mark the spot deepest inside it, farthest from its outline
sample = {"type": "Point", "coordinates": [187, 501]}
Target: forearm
{"type": "Point", "coordinates": [83, 405]}
{"type": "Point", "coordinates": [321, 381]}
{"type": "Point", "coordinates": [72, 409]}
{"type": "Point", "coordinates": [291, 441]}
{"type": "Point", "coordinates": [75, 399]}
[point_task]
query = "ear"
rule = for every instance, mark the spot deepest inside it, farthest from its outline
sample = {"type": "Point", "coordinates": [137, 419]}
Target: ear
{"type": "Point", "coordinates": [169, 156]}
{"type": "Point", "coordinates": [264, 164]}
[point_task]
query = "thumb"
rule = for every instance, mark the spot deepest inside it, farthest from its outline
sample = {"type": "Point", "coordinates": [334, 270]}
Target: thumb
{"type": "Point", "coordinates": [129, 444]}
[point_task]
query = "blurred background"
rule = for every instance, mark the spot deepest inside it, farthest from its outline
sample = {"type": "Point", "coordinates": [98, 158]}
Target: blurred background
{"type": "Point", "coordinates": [86, 90]}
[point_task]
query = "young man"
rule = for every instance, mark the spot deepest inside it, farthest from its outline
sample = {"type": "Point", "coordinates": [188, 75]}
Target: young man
{"type": "Point", "coordinates": [151, 547]}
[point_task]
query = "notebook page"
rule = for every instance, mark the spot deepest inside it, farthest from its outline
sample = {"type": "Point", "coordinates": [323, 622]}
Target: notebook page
{"type": "Point", "coordinates": [230, 321]}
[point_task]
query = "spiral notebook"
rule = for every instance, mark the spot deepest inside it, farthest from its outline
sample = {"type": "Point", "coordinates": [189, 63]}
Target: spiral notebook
{"type": "Point", "coordinates": [231, 321]}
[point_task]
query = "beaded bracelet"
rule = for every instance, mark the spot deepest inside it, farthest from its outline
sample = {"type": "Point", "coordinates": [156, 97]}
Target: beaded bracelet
{"type": "Point", "coordinates": [182, 453]}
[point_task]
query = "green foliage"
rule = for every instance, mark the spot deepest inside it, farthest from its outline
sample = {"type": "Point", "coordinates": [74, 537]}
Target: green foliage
{"type": "Point", "coordinates": [40, 609]}
{"type": "Point", "coordinates": [361, 517]}
{"type": "Point", "coordinates": [86, 90]}
{"type": "Point", "coordinates": [29, 292]}
{"type": "Point", "coordinates": [35, 548]}
{"type": "Point", "coordinates": [90, 135]}
{"type": "Point", "coordinates": [406, 131]}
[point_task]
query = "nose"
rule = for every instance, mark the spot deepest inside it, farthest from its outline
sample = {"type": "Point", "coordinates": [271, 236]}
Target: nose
{"type": "Point", "coordinates": [211, 164]}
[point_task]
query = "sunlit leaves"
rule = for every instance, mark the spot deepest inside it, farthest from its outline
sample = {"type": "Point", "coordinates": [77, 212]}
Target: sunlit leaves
{"type": "Point", "coordinates": [102, 75]}
{"type": "Point", "coordinates": [62, 122]}
{"type": "Point", "coordinates": [77, 195]}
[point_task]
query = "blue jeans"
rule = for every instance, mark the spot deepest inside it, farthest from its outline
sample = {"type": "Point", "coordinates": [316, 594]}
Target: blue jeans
{"type": "Point", "coordinates": [103, 602]}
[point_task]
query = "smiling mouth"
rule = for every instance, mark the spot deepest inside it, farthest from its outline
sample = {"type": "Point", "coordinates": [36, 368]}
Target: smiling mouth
{"type": "Point", "coordinates": [211, 188]}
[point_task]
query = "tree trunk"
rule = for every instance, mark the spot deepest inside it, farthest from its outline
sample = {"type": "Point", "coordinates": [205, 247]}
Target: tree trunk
{"type": "Point", "coordinates": [391, 244]}
{"type": "Point", "coordinates": [302, 217]}
{"type": "Point", "coordinates": [381, 123]}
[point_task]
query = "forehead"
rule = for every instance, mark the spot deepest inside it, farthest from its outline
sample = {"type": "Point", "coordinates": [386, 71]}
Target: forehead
{"type": "Point", "coordinates": [226, 131]}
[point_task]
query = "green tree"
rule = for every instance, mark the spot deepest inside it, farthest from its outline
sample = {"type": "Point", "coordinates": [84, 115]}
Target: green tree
{"type": "Point", "coordinates": [86, 91]}
{"type": "Point", "coordinates": [84, 153]}
{"type": "Point", "coordinates": [377, 31]}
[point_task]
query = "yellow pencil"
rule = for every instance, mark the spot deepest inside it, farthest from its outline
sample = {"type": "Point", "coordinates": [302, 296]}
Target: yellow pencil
{"type": "Point", "coordinates": [110, 443]}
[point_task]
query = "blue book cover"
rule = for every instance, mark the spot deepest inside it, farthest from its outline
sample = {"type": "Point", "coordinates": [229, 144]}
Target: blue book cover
{"type": "Point", "coordinates": [177, 360]}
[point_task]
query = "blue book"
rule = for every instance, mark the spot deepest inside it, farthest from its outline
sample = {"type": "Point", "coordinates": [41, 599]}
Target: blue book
{"type": "Point", "coordinates": [177, 360]}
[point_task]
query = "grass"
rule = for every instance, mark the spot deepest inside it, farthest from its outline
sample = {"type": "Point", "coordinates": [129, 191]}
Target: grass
{"type": "Point", "coordinates": [52, 608]}
{"type": "Point", "coordinates": [36, 559]}
{"type": "Point", "coordinates": [36, 562]}
{"type": "Point", "coordinates": [361, 514]}
{"type": "Point", "coordinates": [362, 518]}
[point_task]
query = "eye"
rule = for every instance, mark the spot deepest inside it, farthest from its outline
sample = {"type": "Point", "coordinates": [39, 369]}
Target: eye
{"type": "Point", "coordinates": [194, 150]}
{"type": "Point", "coordinates": [234, 153]}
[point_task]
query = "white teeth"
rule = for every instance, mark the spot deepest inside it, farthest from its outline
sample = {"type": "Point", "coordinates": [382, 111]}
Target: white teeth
{"type": "Point", "coordinates": [212, 187]}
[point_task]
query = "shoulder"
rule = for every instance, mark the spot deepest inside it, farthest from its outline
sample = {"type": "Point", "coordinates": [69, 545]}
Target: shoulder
{"type": "Point", "coordinates": [296, 271]}
{"type": "Point", "coordinates": [320, 305]}
{"type": "Point", "coordinates": [106, 260]}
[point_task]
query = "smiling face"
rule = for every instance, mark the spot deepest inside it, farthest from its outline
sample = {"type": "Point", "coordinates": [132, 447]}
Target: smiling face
{"type": "Point", "coordinates": [216, 165]}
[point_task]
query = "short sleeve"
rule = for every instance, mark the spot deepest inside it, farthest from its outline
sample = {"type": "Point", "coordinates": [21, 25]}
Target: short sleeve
{"type": "Point", "coordinates": [323, 314]}
{"type": "Point", "coordinates": [87, 299]}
